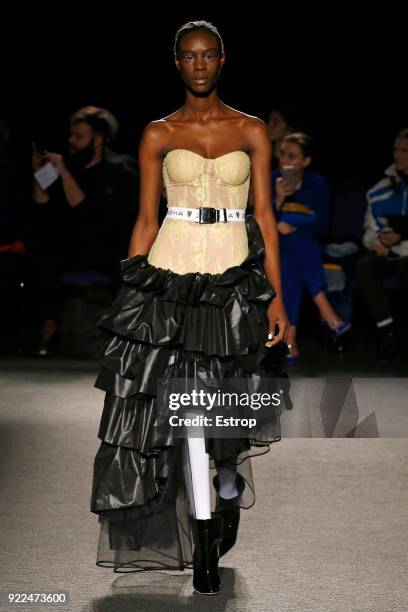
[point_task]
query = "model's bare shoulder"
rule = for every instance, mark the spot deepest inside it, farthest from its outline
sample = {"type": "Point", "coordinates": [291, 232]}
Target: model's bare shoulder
{"type": "Point", "coordinates": [245, 117]}
{"type": "Point", "coordinates": [252, 127]}
{"type": "Point", "coordinates": [155, 130]}
{"type": "Point", "coordinates": [155, 136]}
{"type": "Point", "coordinates": [256, 132]}
{"type": "Point", "coordinates": [176, 116]}
{"type": "Point", "coordinates": [255, 125]}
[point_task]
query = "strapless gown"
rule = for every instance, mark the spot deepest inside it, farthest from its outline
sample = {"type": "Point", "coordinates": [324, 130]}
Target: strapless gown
{"type": "Point", "coordinates": [196, 303]}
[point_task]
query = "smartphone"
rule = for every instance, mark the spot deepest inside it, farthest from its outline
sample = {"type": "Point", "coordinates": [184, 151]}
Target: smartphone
{"type": "Point", "coordinates": [37, 148]}
{"type": "Point", "coordinates": [289, 175]}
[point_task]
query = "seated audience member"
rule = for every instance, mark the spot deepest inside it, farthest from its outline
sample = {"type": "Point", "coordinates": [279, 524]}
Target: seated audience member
{"type": "Point", "coordinates": [88, 212]}
{"type": "Point", "coordinates": [386, 238]}
{"type": "Point", "coordinates": [301, 202]}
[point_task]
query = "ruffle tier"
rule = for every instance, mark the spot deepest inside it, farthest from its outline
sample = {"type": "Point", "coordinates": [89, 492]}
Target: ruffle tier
{"type": "Point", "coordinates": [167, 325]}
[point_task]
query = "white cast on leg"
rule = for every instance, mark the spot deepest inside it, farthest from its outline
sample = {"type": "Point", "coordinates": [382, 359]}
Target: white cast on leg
{"type": "Point", "coordinates": [199, 469]}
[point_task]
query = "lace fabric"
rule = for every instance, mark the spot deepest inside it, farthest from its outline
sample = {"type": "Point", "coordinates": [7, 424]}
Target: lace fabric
{"type": "Point", "coordinates": [192, 181]}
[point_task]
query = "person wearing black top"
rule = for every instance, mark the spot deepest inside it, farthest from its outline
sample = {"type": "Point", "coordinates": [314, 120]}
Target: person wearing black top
{"type": "Point", "coordinates": [87, 215]}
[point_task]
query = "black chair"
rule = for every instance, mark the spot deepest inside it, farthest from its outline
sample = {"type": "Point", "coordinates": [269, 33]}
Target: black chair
{"type": "Point", "coordinates": [86, 294]}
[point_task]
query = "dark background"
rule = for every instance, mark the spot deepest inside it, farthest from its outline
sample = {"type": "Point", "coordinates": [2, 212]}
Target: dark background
{"type": "Point", "coordinates": [345, 74]}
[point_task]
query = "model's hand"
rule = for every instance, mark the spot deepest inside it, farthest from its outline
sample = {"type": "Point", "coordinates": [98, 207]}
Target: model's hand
{"type": "Point", "coordinates": [285, 228]}
{"type": "Point", "coordinates": [56, 160]}
{"type": "Point", "coordinates": [379, 248]}
{"type": "Point", "coordinates": [277, 316]}
{"type": "Point", "coordinates": [390, 238]}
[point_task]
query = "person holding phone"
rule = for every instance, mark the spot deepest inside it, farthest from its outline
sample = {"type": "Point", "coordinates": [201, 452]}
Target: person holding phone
{"type": "Point", "coordinates": [301, 201]}
{"type": "Point", "coordinates": [386, 240]}
{"type": "Point", "coordinates": [87, 213]}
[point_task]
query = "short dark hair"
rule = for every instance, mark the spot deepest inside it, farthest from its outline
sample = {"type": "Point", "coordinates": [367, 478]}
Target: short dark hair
{"type": "Point", "coordinates": [99, 119]}
{"type": "Point", "coordinates": [290, 115]}
{"type": "Point", "coordinates": [403, 133]}
{"type": "Point", "coordinates": [304, 141]}
{"type": "Point", "coordinates": [193, 26]}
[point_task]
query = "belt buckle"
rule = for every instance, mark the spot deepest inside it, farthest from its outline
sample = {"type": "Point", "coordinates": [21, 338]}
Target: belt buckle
{"type": "Point", "coordinates": [213, 215]}
{"type": "Point", "coordinates": [207, 214]}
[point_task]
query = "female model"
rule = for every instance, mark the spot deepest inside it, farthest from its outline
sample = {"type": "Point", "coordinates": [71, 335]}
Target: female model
{"type": "Point", "coordinates": [193, 304]}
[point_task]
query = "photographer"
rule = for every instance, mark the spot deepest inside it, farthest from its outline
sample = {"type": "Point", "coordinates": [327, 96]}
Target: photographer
{"type": "Point", "coordinates": [88, 212]}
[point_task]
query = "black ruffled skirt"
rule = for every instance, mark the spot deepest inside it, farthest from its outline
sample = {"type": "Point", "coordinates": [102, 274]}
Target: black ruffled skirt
{"type": "Point", "coordinates": [163, 324]}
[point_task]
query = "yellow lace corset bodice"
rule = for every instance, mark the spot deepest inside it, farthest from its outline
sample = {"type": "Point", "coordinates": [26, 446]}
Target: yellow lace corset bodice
{"type": "Point", "coordinates": [192, 181]}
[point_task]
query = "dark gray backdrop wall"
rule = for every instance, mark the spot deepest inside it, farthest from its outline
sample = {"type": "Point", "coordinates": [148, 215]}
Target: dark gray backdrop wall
{"type": "Point", "coordinates": [345, 74]}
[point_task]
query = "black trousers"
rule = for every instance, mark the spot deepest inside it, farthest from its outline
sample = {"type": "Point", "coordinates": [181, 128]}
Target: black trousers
{"type": "Point", "coordinates": [371, 271]}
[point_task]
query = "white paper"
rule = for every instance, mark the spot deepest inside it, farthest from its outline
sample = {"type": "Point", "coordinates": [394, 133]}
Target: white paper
{"type": "Point", "coordinates": [47, 175]}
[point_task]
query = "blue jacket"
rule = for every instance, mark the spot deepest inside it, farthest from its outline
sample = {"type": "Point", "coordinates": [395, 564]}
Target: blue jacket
{"type": "Point", "coordinates": [388, 197]}
{"type": "Point", "coordinates": [307, 208]}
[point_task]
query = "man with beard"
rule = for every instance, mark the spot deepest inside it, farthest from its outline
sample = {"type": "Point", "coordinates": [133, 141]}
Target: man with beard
{"type": "Point", "coordinates": [90, 210]}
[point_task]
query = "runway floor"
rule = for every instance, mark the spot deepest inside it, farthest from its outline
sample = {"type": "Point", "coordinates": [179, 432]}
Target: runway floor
{"type": "Point", "coordinates": [328, 532]}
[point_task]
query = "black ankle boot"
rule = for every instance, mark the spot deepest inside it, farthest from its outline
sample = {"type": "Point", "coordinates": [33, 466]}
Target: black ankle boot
{"type": "Point", "coordinates": [207, 538]}
{"type": "Point", "coordinates": [229, 509]}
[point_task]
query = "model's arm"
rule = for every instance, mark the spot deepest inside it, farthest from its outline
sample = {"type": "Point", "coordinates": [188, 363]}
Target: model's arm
{"type": "Point", "coordinates": [261, 152]}
{"type": "Point", "coordinates": [151, 186]}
